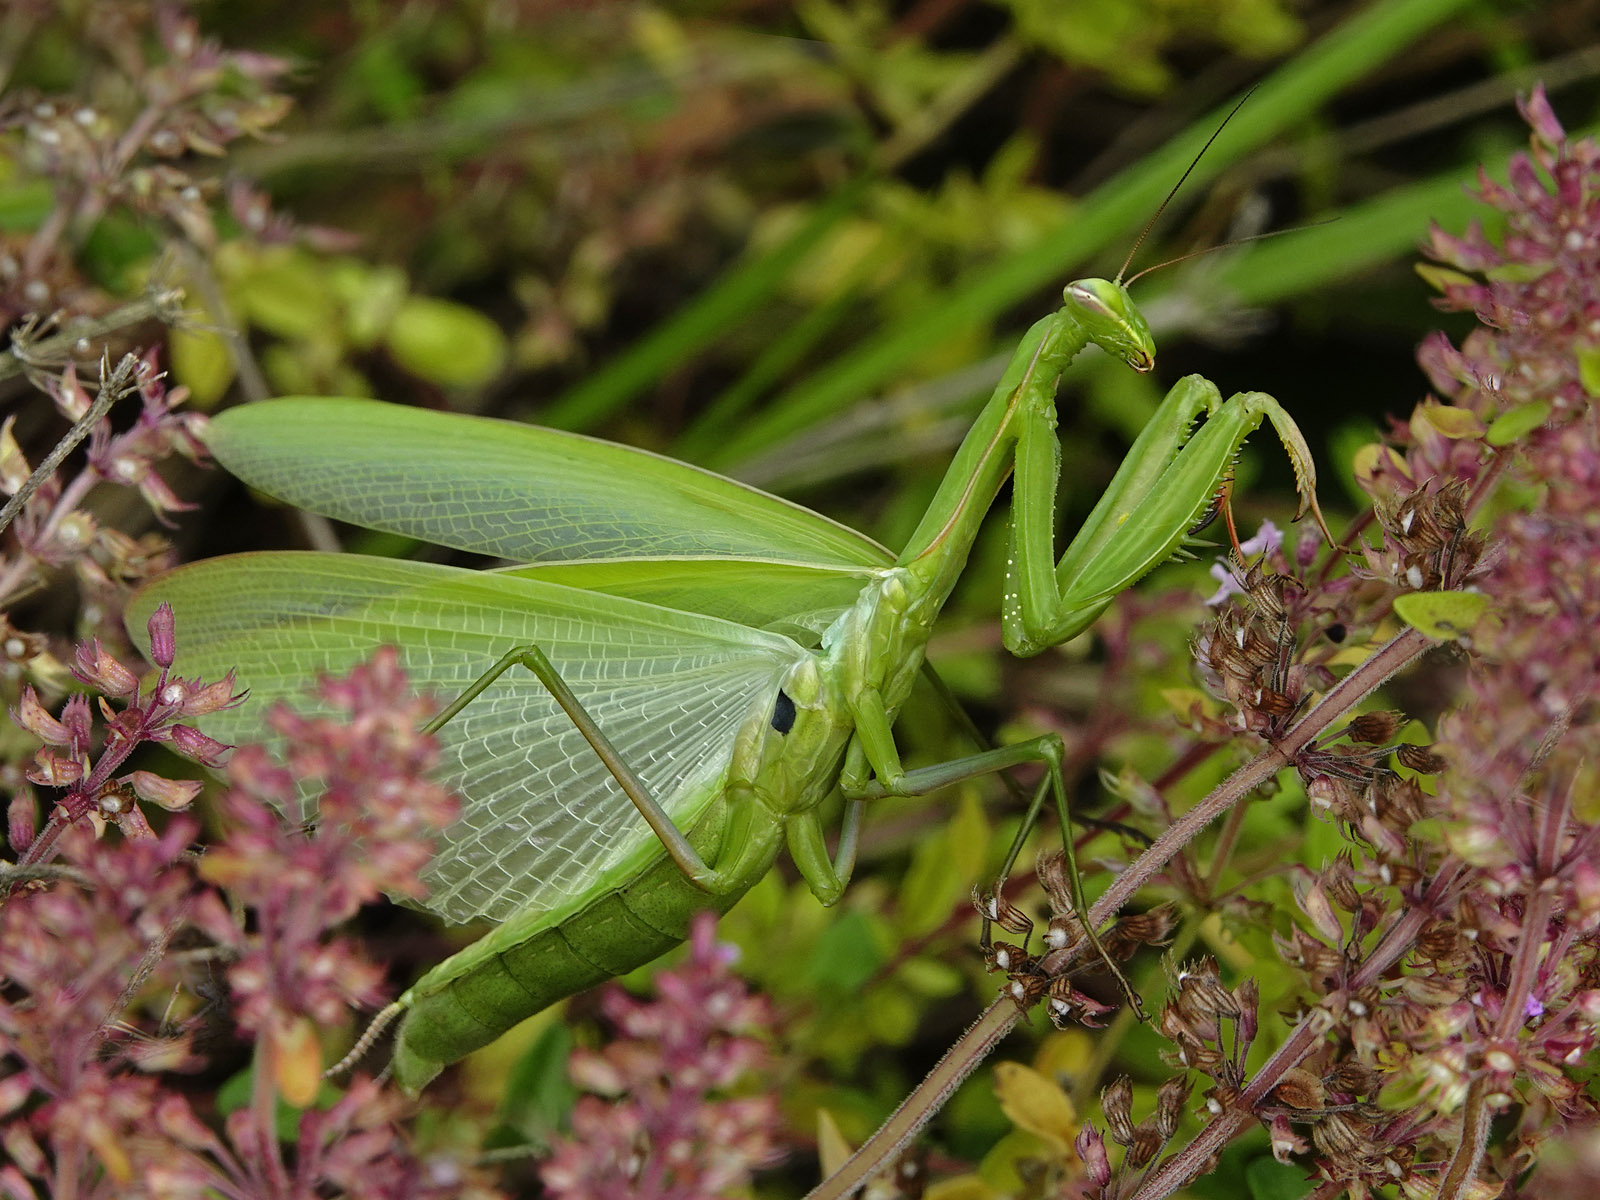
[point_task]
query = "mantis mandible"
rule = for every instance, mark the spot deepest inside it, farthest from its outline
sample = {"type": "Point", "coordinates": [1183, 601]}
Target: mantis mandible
{"type": "Point", "coordinates": [686, 668]}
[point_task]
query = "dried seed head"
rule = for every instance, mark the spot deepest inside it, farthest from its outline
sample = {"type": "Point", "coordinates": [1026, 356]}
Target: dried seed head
{"type": "Point", "coordinates": [1420, 759]}
{"type": "Point", "coordinates": [1064, 932]}
{"type": "Point", "coordinates": [1338, 881]}
{"type": "Point", "coordinates": [999, 910]}
{"type": "Point", "coordinates": [1375, 728]}
{"type": "Point", "coordinates": [1144, 1146]}
{"type": "Point", "coordinates": [1352, 1078]}
{"type": "Point", "coordinates": [1006, 958]}
{"type": "Point", "coordinates": [1299, 1089]}
{"type": "Point", "coordinates": [1171, 1096]}
{"type": "Point", "coordinates": [1137, 930]}
{"type": "Point", "coordinates": [1051, 868]}
{"type": "Point", "coordinates": [1116, 1102]}
{"type": "Point", "coordinates": [1438, 941]}
{"type": "Point", "coordinates": [1025, 990]}
{"type": "Point", "coordinates": [1339, 1137]}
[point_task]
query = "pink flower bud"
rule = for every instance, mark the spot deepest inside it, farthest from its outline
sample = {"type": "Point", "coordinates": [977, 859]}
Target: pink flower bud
{"type": "Point", "coordinates": [163, 640]}
{"type": "Point", "coordinates": [32, 716]}
{"type": "Point", "coordinates": [161, 498]}
{"type": "Point", "coordinates": [213, 697]}
{"type": "Point", "coordinates": [52, 769]}
{"type": "Point", "coordinates": [171, 794]}
{"type": "Point", "coordinates": [96, 667]}
{"type": "Point", "coordinates": [14, 468]}
{"type": "Point", "coordinates": [76, 717]}
{"type": "Point", "coordinates": [21, 819]}
{"type": "Point", "coordinates": [1536, 111]}
{"type": "Point", "coordinates": [191, 743]}
{"type": "Point", "coordinates": [69, 394]}
{"type": "Point", "coordinates": [1091, 1148]}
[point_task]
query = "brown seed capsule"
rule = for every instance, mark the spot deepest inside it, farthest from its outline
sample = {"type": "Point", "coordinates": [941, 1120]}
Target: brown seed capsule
{"type": "Point", "coordinates": [1299, 1089]}
{"type": "Point", "coordinates": [1007, 959]}
{"type": "Point", "coordinates": [1352, 1078]}
{"type": "Point", "coordinates": [1116, 1102]}
{"type": "Point", "coordinates": [1375, 728]}
{"type": "Point", "coordinates": [1002, 912]}
{"type": "Point", "coordinates": [1146, 1144]}
{"type": "Point", "coordinates": [1170, 1099]}
{"type": "Point", "coordinates": [1052, 871]}
{"type": "Point", "coordinates": [1420, 759]}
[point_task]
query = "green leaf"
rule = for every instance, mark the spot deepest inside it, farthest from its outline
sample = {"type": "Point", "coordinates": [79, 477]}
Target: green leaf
{"type": "Point", "coordinates": [538, 1093]}
{"type": "Point", "coordinates": [1269, 1179]}
{"type": "Point", "coordinates": [1444, 616]}
{"type": "Point", "coordinates": [202, 363]}
{"type": "Point", "coordinates": [284, 293]}
{"type": "Point", "coordinates": [930, 977]}
{"type": "Point", "coordinates": [1589, 368]}
{"type": "Point", "coordinates": [847, 954]}
{"type": "Point", "coordinates": [1512, 425]}
{"type": "Point", "coordinates": [25, 204]}
{"type": "Point", "coordinates": [446, 343]}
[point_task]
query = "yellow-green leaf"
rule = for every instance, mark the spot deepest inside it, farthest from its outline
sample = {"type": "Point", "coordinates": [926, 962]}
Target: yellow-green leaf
{"type": "Point", "coordinates": [1034, 1102]}
{"type": "Point", "coordinates": [1589, 369]}
{"type": "Point", "coordinates": [1451, 421]}
{"type": "Point", "coordinates": [1511, 425]}
{"type": "Point", "coordinates": [1441, 615]}
{"type": "Point", "coordinates": [201, 362]}
{"type": "Point", "coordinates": [968, 839]}
{"type": "Point", "coordinates": [832, 1149]}
{"type": "Point", "coordinates": [962, 1187]}
{"type": "Point", "coordinates": [284, 293]}
{"type": "Point", "coordinates": [1443, 277]}
{"type": "Point", "coordinates": [446, 343]}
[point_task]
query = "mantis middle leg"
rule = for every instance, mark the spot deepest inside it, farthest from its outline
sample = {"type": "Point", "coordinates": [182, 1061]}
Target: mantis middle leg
{"type": "Point", "coordinates": [873, 771]}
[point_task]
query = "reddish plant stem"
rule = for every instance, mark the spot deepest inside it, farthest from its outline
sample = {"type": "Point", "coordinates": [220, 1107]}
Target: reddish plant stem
{"type": "Point", "coordinates": [1477, 1111]}
{"type": "Point", "coordinates": [1000, 1017]}
{"type": "Point", "coordinates": [1190, 1162]}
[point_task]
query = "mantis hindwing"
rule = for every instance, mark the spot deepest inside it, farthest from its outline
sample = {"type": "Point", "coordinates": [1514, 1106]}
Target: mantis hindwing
{"type": "Point", "coordinates": [685, 668]}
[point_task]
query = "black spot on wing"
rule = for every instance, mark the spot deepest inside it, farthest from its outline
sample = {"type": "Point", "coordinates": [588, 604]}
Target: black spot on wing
{"type": "Point", "coordinates": [783, 713]}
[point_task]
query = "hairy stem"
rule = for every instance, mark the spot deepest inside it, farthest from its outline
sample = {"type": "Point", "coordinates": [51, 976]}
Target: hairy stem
{"type": "Point", "coordinates": [998, 1019]}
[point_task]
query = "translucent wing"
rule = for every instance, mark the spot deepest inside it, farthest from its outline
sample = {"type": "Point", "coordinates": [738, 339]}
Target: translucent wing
{"type": "Point", "coordinates": [798, 600]}
{"type": "Point", "coordinates": [516, 491]}
{"type": "Point", "coordinates": [543, 821]}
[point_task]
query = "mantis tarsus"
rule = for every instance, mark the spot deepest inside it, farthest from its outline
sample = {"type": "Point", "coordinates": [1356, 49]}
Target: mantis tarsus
{"type": "Point", "coordinates": [707, 657]}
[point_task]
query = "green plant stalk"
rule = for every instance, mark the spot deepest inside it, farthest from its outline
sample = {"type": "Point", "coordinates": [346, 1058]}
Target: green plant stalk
{"type": "Point", "coordinates": [1112, 211]}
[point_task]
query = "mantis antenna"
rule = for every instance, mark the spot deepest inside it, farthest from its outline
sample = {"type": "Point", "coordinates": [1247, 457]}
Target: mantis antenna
{"type": "Point", "coordinates": [1182, 179]}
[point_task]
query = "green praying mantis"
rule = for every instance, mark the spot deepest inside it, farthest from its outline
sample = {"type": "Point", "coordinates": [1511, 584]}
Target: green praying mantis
{"type": "Point", "coordinates": [684, 669]}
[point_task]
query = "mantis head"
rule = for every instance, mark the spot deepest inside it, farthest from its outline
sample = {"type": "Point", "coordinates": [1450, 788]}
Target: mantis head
{"type": "Point", "coordinates": [1112, 321]}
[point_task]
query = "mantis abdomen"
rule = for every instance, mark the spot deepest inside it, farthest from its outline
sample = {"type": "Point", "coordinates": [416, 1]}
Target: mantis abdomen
{"type": "Point", "coordinates": [526, 965]}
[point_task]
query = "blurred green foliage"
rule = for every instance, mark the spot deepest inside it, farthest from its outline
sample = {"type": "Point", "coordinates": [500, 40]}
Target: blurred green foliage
{"type": "Point", "coordinates": [781, 236]}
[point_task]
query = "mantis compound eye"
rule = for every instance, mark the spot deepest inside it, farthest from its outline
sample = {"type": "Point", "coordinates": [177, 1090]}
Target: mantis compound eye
{"type": "Point", "coordinates": [1084, 295]}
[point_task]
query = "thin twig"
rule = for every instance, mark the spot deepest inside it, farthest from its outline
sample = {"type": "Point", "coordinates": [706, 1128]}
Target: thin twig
{"type": "Point", "coordinates": [77, 337]}
{"type": "Point", "coordinates": [998, 1019]}
{"type": "Point", "coordinates": [122, 381]}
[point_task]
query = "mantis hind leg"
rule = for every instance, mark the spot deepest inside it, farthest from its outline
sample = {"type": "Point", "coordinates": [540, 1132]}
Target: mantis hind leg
{"type": "Point", "coordinates": [672, 838]}
{"type": "Point", "coordinates": [1046, 751]}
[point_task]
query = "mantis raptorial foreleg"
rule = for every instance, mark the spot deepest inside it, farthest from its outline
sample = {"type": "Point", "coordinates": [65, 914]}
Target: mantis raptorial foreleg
{"type": "Point", "coordinates": [1164, 488]}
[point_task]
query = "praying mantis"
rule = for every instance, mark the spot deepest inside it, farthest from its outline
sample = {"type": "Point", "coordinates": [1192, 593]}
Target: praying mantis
{"type": "Point", "coordinates": [684, 668]}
